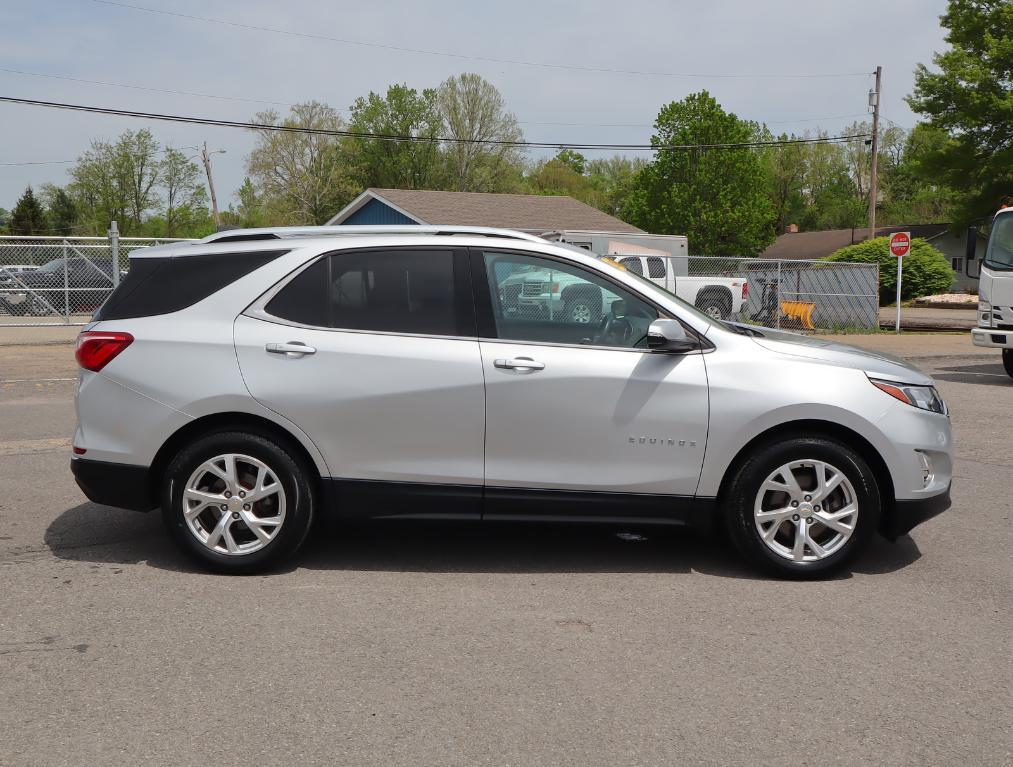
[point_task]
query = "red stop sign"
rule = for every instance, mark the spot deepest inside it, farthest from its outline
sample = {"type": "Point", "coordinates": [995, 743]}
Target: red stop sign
{"type": "Point", "coordinates": [900, 243]}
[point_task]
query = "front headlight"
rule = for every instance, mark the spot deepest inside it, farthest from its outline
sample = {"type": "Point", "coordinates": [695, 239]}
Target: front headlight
{"type": "Point", "coordinates": [924, 397]}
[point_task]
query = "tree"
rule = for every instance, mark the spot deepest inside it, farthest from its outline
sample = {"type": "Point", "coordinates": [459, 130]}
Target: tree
{"type": "Point", "coordinates": [613, 177]}
{"type": "Point", "coordinates": [60, 209]}
{"type": "Point", "coordinates": [300, 178]}
{"type": "Point", "coordinates": [785, 171]}
{"type": "Point", "coordinates": [405, 164]}
{"type": "Point", "coordinates": [556, 176]}
{"type": "Point", "coordinates": [574, 160]}
{"type": "Point", "coordinates": [926, 270]}
{"type": "Point", "coordinates": [473, 110]}
{"type": "Point", "coordinates": [28, 217]}
{"type": "Point", "coordinates": [250, 212]}
{"type": "Point", "coordinates": [713, 196]}
{"type": "Point", "coordinates": [913, 195]}
{"type": "Point", "coordinates": [971, 99]}
{"type": "Point", "coordinates": [185, 206]}
{"type": "Point", "coordinates": [117, 182]}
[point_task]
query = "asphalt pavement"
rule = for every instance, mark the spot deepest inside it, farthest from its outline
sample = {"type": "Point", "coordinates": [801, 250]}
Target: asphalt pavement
{"type": "Point", "coordinates": [429, 645]}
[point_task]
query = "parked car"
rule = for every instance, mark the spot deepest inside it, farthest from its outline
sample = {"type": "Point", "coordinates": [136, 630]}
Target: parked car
{"type": "Point", "coordinates": [255, 380]}
{"type": "Point", "coordinates": [719, 297]}
{"type": "Point", "coordinates": [52, 289]}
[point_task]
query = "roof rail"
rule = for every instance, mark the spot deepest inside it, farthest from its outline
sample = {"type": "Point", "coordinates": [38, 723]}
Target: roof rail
{"type": "Point", "coordinates": [283, 232]}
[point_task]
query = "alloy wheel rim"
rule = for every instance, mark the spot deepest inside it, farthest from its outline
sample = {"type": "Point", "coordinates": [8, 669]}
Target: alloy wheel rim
{"type": "Point", "coordinates": [581, 313]}
{"type": "Point", "coordinates": [714, 312]}
{"type": "Point", "coordinates": [806, 511]}
{"type": "Point", "coordinates": [234, 504]}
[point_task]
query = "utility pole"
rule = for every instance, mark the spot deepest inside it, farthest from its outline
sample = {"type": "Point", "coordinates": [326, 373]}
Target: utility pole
{"type": "Point", "coordinates": [873, 179]}
{"type": "Point", "coordinates": [206, 157]}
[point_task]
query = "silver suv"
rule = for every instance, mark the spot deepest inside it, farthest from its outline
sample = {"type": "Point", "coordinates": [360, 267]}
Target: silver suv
{"type": "Point", "coordinates": [254, 380]}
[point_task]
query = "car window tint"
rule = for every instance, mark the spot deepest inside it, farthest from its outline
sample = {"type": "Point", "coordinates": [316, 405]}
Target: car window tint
{"type": "Point", "coordinates": [399, 291]}
{"type": "Point", "coordinates": [655, 267]}
{"type": "Point", "coordinates": [633, 264]}
{"type": "Point", "coordinates": [543, 300]}
{"type": "Point", "coordinates": [304, 299]}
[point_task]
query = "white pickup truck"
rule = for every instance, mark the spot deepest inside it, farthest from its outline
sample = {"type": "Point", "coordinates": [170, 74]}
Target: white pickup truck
{"type": "Point", "coordinates": [720, 297]}
{"type": "Point", "coordinates": [566, 297]}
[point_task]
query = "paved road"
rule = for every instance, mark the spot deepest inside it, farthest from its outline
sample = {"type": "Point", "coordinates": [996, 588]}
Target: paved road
{"type": "Point", "coordinates": [429, 646]}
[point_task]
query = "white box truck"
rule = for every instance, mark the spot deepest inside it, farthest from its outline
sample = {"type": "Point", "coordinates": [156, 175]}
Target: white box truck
{"type": "Point", "coordinates": [995, 289]}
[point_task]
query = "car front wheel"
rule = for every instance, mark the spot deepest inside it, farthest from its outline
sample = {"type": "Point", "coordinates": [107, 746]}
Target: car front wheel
{"type": "Point", "coordinates": [237, 502]}
{"type": "Point", "coordinates": [803, 507]}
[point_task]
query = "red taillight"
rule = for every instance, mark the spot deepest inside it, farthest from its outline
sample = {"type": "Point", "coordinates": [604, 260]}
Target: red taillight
{"type": "Point", "coordinates": [96, 348]}
{"type": "Point", "coordinates": [745, 290]}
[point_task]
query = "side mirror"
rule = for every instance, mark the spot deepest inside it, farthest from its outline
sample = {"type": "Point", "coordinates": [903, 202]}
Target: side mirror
{"type": "Point", "coordinates": [970, 249]}
{"type": "Point", "coordinates": [669, 336]}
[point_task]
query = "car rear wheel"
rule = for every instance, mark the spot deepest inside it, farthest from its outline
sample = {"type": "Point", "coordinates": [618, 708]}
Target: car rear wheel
{"type": "Point", "coordinates": [802, 508]}
{"type": "Point", "coordinates": [237, 502]}
{"type": "Point", "coordinates": [1007, 361]}
{"type": "Point", "coordinates": [715, 307]}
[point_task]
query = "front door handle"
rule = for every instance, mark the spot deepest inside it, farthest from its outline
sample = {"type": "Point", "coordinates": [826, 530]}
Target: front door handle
{"type": "Point", "coordinates": [291, 349]}
{"type": "Point", "coordinates": [519, 363]}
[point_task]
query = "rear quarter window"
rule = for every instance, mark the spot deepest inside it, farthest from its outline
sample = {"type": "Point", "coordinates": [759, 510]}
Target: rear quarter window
{"type": "Point", "coordinates": [164, 285]}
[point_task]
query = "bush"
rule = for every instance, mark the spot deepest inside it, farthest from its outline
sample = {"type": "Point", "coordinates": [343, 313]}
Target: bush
{"type": "Point", "coordinates": [926, 270]}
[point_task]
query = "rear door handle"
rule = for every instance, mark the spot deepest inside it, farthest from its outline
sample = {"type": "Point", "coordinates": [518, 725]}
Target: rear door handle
{"type": "Point", "coordinates": [519, 363]}
{"type": "Point", "coordinates": [291, 349]}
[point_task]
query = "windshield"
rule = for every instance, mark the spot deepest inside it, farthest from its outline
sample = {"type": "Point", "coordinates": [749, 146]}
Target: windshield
{"type": "Point", "coordinates": [52, 266]}
{"type": "Point", "coordinates": [688, 307]}
{"type": "Point", "coordinates": [1000, 245]}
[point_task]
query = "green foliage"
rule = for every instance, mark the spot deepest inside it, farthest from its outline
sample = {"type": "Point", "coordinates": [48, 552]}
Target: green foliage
{"type": "Point", "coordinates": [926, 270]}
{"type": "Point", "coordinates": [28, 217]}
{"type": "Point", "coordinates": [185, 206]}
{"type": "Point", "coordinates": [472, 109]}
{"type": "Point", "coordinates": [397, 164]}
{"type": "Point", "coordinates": [575, 161]}
{"type": "Point", "coordinates": [301, 178]}
{"type": "Point", "coordinates": [61, 211]}
{"type": "Point", "coordinates": [613, 178]}
{"type": "Point", "coordinates": [117, 182]}
{"type": "Point", "coordinates": [715, 197]}
{"type": "Point", "coordinates": [970, 99]}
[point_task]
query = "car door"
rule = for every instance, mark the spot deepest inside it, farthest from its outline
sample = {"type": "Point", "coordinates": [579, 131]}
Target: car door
{"type": "Point", "coordinates": [584, 408]}
{"type": "Point", "coordinates": [374, 355]}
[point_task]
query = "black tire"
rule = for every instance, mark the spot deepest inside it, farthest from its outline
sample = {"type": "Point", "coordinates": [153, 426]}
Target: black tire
{"type": "Point", "coordinates": [748, 477]}
{"type": "Point", "coordinates": [294, 477]}
{"type": "Point", "coordinates": [715, 305]}
{"type": "Point", "coordinates": [1007, 361]}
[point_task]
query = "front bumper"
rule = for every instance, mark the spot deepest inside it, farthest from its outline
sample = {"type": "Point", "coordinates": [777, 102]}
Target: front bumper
{"type": "Point", "coordinates": [114, 484]}
{"type": "Point", "coordinates": [995, 339]}
{"type": "Point", "coordinates": [908, 514]}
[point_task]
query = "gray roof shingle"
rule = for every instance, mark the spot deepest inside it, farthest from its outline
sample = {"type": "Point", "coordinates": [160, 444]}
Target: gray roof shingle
{"type": "Point", "coordinates": [509, 211]}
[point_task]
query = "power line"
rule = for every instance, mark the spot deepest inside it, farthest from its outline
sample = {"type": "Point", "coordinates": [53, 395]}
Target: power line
{"type": "Point", "coordinates": [417, 139]}
{"type": "Point", "coordinates": [224, 97]}
{"type": "Point", "coordinates": [40, 162]}
{"type": "Point", "coordinates": [142, 87]}
{"type": "Point", "coordinates": [448, 54]}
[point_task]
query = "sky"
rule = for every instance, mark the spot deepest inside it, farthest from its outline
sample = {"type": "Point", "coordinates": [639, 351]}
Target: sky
{"type": "Point", "coordinates": [757, 42]}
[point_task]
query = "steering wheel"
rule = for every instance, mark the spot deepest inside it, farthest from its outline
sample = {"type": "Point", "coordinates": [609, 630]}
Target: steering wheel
{"type": "Point", "coordinates": [615, 331]}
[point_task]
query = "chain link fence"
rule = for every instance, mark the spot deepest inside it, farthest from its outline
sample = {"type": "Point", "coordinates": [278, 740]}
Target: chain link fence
{"type": "Point", "coordinates": [61, 280]}
{"type": "Point", "coordinates": [801, 296]}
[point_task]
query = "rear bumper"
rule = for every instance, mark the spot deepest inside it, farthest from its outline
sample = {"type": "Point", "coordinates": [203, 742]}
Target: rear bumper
{"type": "Point", "coordinates": [908, 514]}
{"type": "Point", "coordinates": [995, 339]}
{"type": "Point", "coordinates": [114, 484]}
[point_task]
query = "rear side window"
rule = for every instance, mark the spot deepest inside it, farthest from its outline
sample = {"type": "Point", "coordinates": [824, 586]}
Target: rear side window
{"type": "Point", "coordinates": [163, 285]}
{"type": "Point", "coordinates": [396, 291]}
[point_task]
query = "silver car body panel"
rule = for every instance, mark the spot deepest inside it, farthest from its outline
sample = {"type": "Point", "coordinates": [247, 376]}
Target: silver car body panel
{"type": "Point", "coordinates": [439, 410]}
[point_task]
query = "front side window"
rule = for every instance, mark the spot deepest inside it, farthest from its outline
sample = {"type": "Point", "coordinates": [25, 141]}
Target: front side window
{"type": "Point", "coordinates": [633, 265]}
{"type": "Point", "coordinates": [655, 267]}
{"type": "Point", "coordinates": [397, 291]}
{"type": "Point", "coordinates": [1000, 245]}
{"type": "Point", "coordinates": [543, 300]}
